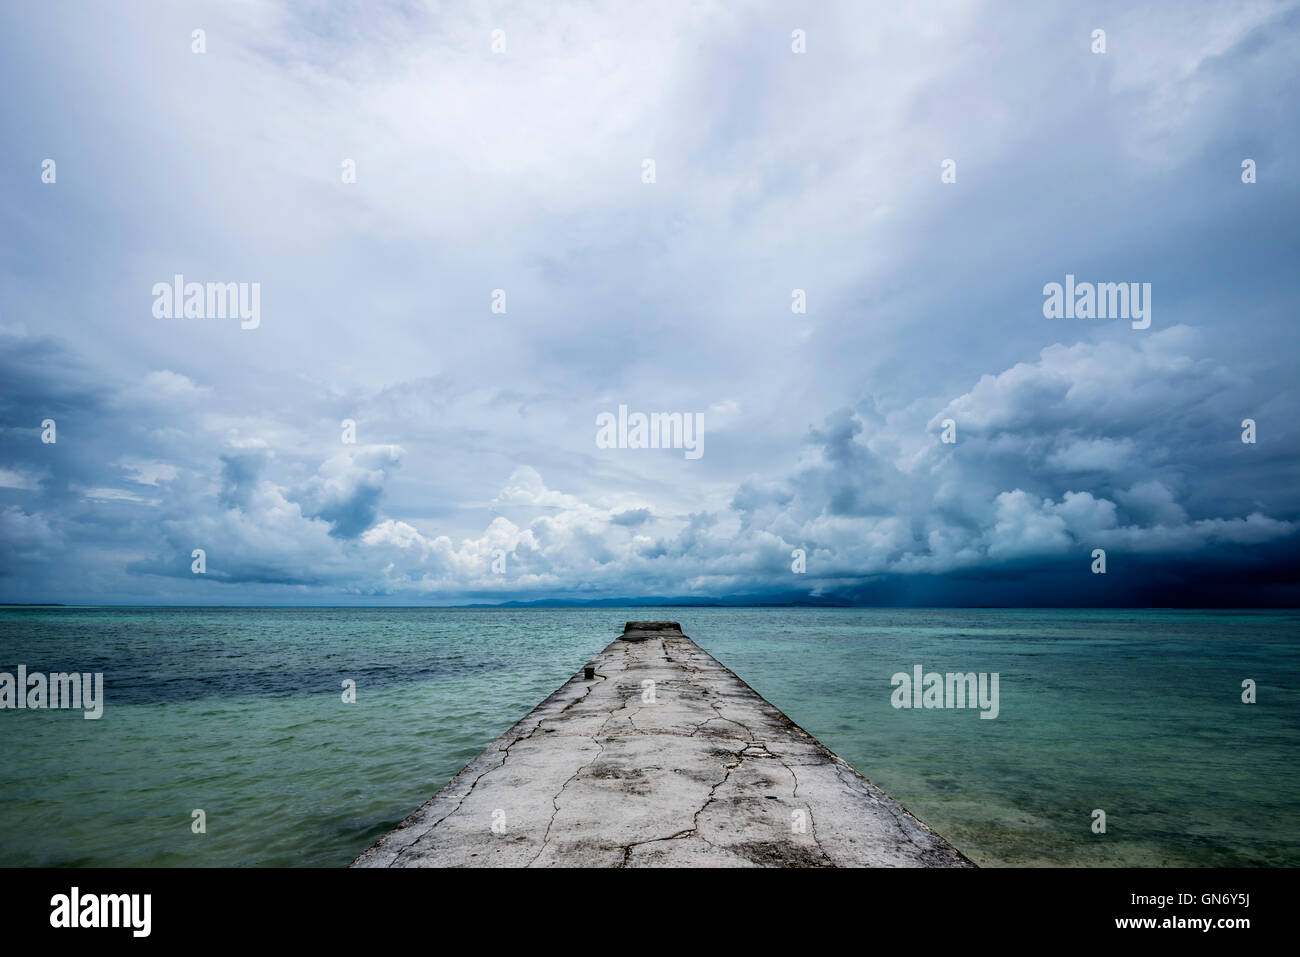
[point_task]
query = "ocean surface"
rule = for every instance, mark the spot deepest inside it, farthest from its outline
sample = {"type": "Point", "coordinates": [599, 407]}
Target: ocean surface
{"type": "Point", "coordinates": [239, 712]}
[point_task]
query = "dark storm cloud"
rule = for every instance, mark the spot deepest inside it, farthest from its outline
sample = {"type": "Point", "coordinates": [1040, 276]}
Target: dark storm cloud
{"type": "Point", "coordinates": [475, 471]}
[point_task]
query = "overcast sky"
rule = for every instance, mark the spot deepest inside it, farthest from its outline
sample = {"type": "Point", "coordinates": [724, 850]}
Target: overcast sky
{"type": "Point", "coordinates": [524, 170]}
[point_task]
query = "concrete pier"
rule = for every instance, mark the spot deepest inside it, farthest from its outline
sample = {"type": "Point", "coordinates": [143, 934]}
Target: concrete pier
{"type": "Point", "coordinates": [663, 758]}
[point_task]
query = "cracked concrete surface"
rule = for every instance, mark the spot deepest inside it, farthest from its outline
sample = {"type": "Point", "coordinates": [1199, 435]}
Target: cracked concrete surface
{"type": "Point", "coordinates": [708, 773]}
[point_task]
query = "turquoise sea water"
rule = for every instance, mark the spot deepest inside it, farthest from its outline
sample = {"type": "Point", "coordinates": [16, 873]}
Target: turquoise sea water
{"type": "Point", "coordinates": [239, 712]}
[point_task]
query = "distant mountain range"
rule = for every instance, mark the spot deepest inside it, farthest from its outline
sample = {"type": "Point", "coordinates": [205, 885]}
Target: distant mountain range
{"type": "Point", "coordinates": [748, 601]}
